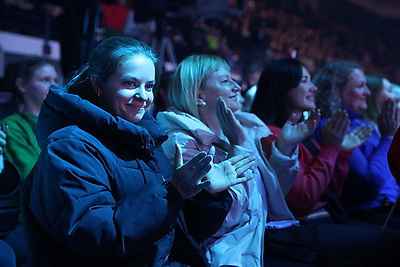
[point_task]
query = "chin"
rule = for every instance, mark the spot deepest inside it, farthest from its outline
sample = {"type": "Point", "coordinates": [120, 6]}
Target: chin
{"type": "Point", "coordinates": [235, 107]}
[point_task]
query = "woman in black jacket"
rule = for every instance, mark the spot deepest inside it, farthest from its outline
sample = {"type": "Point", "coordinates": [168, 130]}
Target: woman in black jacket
{"type": "Point", "coordinates": [101, 192]}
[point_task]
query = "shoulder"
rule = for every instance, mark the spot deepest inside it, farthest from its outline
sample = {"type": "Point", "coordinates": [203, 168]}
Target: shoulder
{"type": "Point", "coordinates": [72, 135]}
{"type": "Point", "coordinates": [252, 124]}
{"type": "Point", "coordinates": [12, 119]}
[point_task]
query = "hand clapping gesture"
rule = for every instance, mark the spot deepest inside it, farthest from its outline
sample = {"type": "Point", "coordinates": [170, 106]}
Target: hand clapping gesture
{"type": "Point", "coordinates": [3, 135]}
{"type": "Point", "coordinates": [230, 126]}
{"type": "Point", "coordinates": [292, 132]}
{"type": "Point", "coordinates": [356, 138]}
{"type": "Point", "coordinates": [232, 171]}
{"type": "Point", "coordinates": [188, 177]}
{"type": "Point", "coordinates": [389, 118]}
{"type": "Point", "coordinates": [335, 129]}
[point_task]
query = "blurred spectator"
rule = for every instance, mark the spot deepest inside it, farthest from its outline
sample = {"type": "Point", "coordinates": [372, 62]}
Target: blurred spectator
{"type": "Point", "coordinates": [11, 230]}
{"type": "Point", "coordinates": [114, 17]}
{"type": "Point", "coordinates": [29, 81]}
{"type": "Point", "coordinates": [370, 189]}
{"type": "Point", "coordinates": [381, 89]}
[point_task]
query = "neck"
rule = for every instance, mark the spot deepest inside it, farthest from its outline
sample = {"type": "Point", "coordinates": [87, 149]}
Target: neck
{"type": "Point", "coordinates": [210, 119]}
{"type": "Point", "coordinates": [31, 109]}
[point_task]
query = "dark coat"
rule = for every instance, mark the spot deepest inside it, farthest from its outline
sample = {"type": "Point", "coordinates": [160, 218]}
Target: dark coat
{"type": "Point", "coordinates": [99, 193]}
{"type": "Point", "coordinates": [9, 199]}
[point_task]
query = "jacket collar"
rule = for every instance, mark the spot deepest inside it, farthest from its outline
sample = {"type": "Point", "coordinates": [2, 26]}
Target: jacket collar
{"type": "Point", "coordinates": [62, 109]}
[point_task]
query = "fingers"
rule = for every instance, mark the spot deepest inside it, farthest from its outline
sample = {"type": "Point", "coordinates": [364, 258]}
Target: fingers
{"type": "Point", "coordinates": [188, 177]}
{"type": "Point", "coordinates": [202, 185]}
{"type": "Point", "coordinates": [200, 171]}
{"type": "Point", "coordinates": [340, 122]}
{"type": "Point", "coordinates": [3, 136]}
{"type": "Point", "coordinates": [244, 179]}
{"type": "Point", "coordinates": [365, 132]}
{"type": "Point", "coordinates": [222, 110]}
{"type": "Point", "coordinates": [315, 115]}
{"type": "Point", "coordinates": [198, 160]}
{"type": "Point", "coordinates": [4, 128]}
{"type": "Point", "coordinates": [312, 121]}
{"type": "Point", "coordinates": [248, 165]}
{"type": "Point", "coordinates": [293, 119]}
{"type": "Point", "coordinates": [178, 156]}
{"type": "Point", "coordinates": [211, 152]}
{"type": "Point", "coordinates": [242, 163]}
{"type": "Point", "coordinates": [224, 114]}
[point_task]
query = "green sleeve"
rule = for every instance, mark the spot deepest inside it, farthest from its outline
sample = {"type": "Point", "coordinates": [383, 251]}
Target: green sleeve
{"type": "Point", "coordinates": [22, 148]}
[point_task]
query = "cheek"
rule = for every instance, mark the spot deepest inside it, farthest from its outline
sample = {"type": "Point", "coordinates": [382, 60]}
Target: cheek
{"type": "Point", "coordinates": [150, 99]}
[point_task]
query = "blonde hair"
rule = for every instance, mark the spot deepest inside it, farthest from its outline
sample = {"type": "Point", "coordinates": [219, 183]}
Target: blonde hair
{"type": "Point", "coordinates": [190, 77]}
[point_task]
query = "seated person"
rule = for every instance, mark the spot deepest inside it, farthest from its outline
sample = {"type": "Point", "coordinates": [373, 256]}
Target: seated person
{"type": "Point", "coordinates": [285, 88]}
{"type": "Point", "coordinates": [370, 190]}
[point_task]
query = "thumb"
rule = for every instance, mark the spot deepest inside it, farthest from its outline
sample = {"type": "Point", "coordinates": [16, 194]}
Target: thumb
{"type": "Point", "coordinates": [211, 152]}
{"type": "Point", "coordinates": [178, 156]}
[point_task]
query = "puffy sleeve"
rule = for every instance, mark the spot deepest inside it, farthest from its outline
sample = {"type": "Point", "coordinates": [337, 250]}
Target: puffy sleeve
{"type": "Point", "coordinates": [71, 195]}
{"type": "Point", "coordinates": [393, 156]}
{"type": "Point", "coordinates": [285, 167]}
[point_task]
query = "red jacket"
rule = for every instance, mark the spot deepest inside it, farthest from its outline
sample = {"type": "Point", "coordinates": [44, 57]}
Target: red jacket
{"type": "Point", "coordinates": [326, 169]}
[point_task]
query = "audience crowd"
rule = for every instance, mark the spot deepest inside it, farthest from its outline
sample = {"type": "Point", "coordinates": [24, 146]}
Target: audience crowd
{"type": "Point", "coordinates": [148, 154]}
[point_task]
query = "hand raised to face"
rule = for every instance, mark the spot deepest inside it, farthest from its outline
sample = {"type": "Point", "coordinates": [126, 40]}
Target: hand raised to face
{"type": "Point", "coordinates": [230, 126]}
{"type": "Point", "coordinates": [389, 118]}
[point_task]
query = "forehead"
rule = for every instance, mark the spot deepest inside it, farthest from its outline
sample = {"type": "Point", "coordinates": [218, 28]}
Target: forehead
{"type": "Point", "coordinates": [304, 71]}
{"type": "Point", "coordinates": [137, 65]}
{"type": "Point", "coordinates": [221, 71]}
{"type": "Point", "coordinates": [44, 69]}
{"type": "Point", "coordinates": [356, 75]}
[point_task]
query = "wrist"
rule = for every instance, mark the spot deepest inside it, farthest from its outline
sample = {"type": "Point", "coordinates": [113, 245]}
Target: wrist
{"type": "Point", "coordinates": [284, 147]}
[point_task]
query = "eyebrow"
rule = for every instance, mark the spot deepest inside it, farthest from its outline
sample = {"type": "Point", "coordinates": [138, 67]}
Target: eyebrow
{"type": "Point", "coordinates": [224, 76]}
{"type": "Point", "coordinates": [135, 79]}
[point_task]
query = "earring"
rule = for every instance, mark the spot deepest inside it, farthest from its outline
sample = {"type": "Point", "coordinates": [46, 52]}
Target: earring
{"type": "Point", "coordinates": [201, 103]}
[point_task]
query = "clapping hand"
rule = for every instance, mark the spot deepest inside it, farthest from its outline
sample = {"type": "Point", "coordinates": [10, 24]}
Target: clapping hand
{"type": "Point", "coordinates": [230, 126]}
{"type": "Point", "coordinates": [3, 135]}
{"type": "Point", "coordinates": [232, 171]}
{"type": "Point", "coordinates": [389, 118]}
{"type": "Point", "coordinates": [357, 137]}
{"type": "Point", "coordinates": [292, 132]}
{"type": "Point", "coordinates": [335, 129]}
{"type": "Point", "coordinates": [188, 177]}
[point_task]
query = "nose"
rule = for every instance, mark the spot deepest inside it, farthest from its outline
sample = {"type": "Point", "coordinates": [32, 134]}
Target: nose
{"type": "Point", "coordinates": [140, 93]}
{"type": "Point", "coordinates": [236, 86]}
{"type": "Point", "coordinates": [367, 91]}
{"type": "Point", "coordinates": [313, 88]}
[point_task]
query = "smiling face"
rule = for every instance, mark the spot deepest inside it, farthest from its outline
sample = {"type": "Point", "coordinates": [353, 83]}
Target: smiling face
{"type": "Point", "coordinates": [128, 92]}
{"type": "Point", "coordinates": [301, 97]}
{"type": "Point", "coordinates": [221, 84]}
{"type": "Point", "coordinates": [355, 93]}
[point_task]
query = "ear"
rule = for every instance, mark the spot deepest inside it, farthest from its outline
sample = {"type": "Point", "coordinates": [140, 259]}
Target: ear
{"type": "Point", "coordinates": [94, 81]}
{"type": "Point", "coordinates": [201, 96]}
{"type": "Point", "coordinates": [20, 85]}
